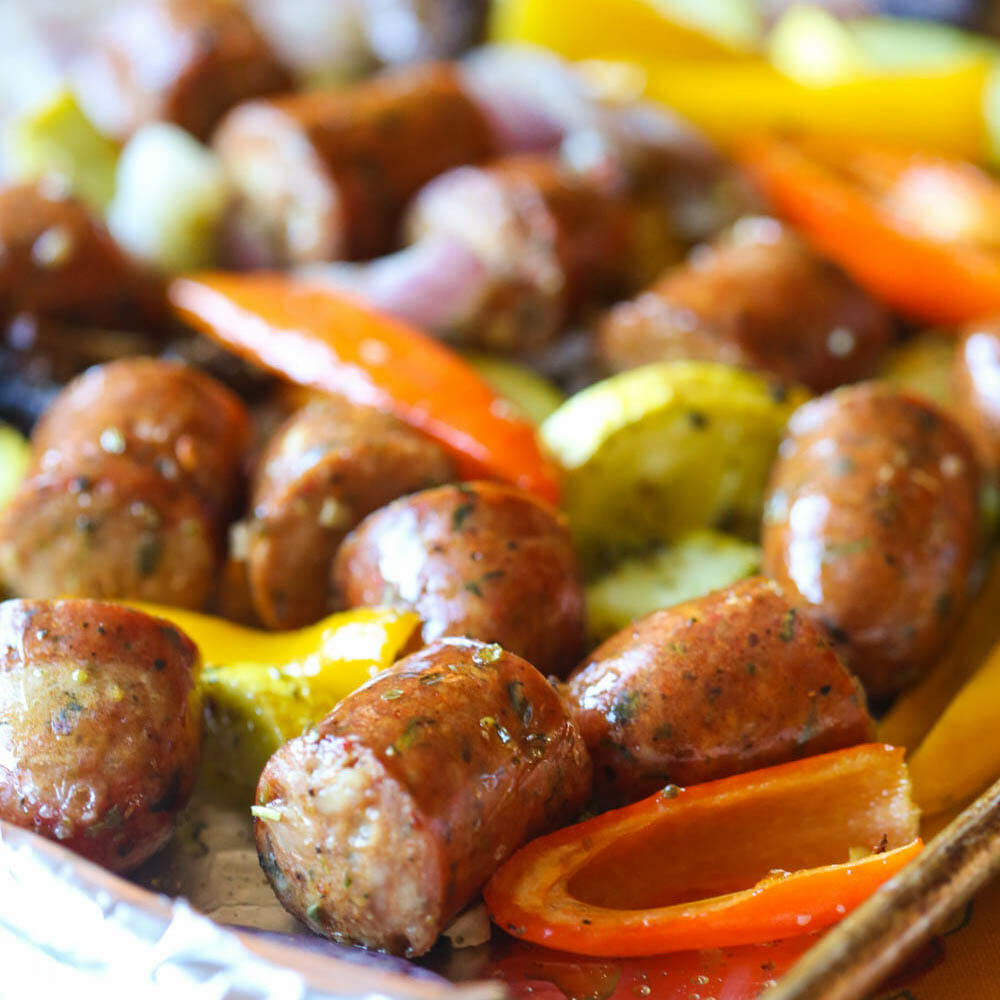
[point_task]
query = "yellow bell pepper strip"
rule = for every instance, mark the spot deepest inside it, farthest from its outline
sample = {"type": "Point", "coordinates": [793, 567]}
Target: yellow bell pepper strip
{"type": "Point", "coordinates": [916, 711]}
{"type": "Point", "coordinates": [814, 839]}
{"type": "Point", "coordinates": [590, 29]}
{"type": "Point", "coordinates": [938, 109]}
{"type": "Point", "coordinates": [858, 206]}
{"type": "Point", "coordinates": [261, 689]}
{"type": "Point", "coordinates": [960, 756]}
{"type": "Point", "coordinates": [328, 341]}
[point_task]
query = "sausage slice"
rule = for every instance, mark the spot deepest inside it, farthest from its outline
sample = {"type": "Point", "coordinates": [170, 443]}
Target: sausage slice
{"type": "Point", "coordinates": [100, 726]}
{"type": "Point", "coordinates": [381, 823]}
{"type": "Point", "coordinates": [735, 680]}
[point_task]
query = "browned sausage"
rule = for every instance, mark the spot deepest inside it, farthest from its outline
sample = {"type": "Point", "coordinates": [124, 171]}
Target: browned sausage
{"type": "Point", "coordinates": [135, 468]}
{"type": "Point", "coordinates": [733, 681]}
{"type": "Point", "coordinates": [161, 414]}
{"type": "Point", "coordinates": [554, 240]}
{"type": "Point", "coordinates": [59, 262]}
{"type": "Point", "coordinates": [976, 389]}
{"type": "Point", "coordinates": [477, 559]}
{"type": "Point", "coordinates": [757, 298]}
{"type": "Point", "coordinates": [100, 726]}
{"type": "Point", "coordinates": [380, 824]}
{"type": "Point", "coordinates": [330, 465]}
{"type": "Point", "coordinates": [182, 61]}
{"type": "Point", "coordinates": [871, 522]}
{"type": "Point", "coordinates": [327, 174]}
{"type": "Point", "coordinates": [108, 527]}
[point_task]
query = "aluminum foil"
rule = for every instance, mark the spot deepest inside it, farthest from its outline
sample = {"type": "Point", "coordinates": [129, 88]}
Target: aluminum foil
{"type": "Point", "coordinates": [66, 924]}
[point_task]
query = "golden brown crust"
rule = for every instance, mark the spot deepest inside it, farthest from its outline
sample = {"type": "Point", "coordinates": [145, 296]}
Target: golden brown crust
{"type": "Point", "coordinates": [478, 559]}
{"type": "Point", "coordinates": [182, 61]}
{"type": "Point", "coordinates": [872, 524]}
{"type": "Point", "coordinates": [328, 466]}
{"type": "Point", "coordinates": [100, 726]}
{"type": "Point", "coordinates": [730, 682]}
{"type": "Point", "coordinates": [365, 151]}
{"type": "Point", "coordinates": [463, 750]}
{"type": "Point", "coordinates": [761, 300]}
{"type": "Point", "coordinates": [59, 262]}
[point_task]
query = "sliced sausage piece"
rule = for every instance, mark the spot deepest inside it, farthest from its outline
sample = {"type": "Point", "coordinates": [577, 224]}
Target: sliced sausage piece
{"type": "Point", "coordinates": [330, 465]}
{"type": "Point", "coordinates": [327, 174]}
{"type": "Point", "coordinates": [976, 389]}
{"type": "Point", "coordinates": [108, 527]}
{"type": "Point", "coordinates": [477, 559]}
{"type": "Point", "coordinates": [100, 726]}
{"type": "Point", "coordinates": [57, 261]}
{"type": "Point", "coordinates": [136, 466]}
{"type": "Point", "coordinates": [733, 681]}
{"type": "Point", "coordinates": [161, 414]}
{"type": "Point", "coordinates": [182, 61]}
{"type": "Point", "coordinates": [871, 523]}
{"type": "Point", "coordinates": [758, 298]}
{"type": "Point", "coordinates": [381, 823]}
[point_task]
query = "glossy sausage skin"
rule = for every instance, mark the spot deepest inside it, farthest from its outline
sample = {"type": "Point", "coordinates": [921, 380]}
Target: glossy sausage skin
{"type": "Point", "coordinates": [554, 240]}
{"type": "Point", "coordinates": [136, 466]}
{"type": "Point", "coordinates": [181, 61]}
{"type": "Point", "coordinates": [326, 174]}
{"type": "Point", "coordinates": [164, 415]}
{"type": "Point", "coordinates": [976, 389]}
{"type": "Point", "coordinates": [59, 262]}
{"type": "Point", "coordinates": [330, 465]}
{"type": "Point", "coordinates": [733, 681]}
{"type": "Point", "coordinates": [871, 523]}
{"type": "Point", "coordinates": [100, 726]}
{"type": "Point", "coordinates": [476, 559]}
{"type": "Point", "coordinates": [404, 800]}
{"type": "Point", "coordinates": [758, 298]}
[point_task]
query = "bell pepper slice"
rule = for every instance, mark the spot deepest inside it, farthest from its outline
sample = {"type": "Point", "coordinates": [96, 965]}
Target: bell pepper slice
{"type": "Point", "coordinates": [844, 199]}
{"type": "Point", "coordinates": [751, 858]}
{"type": "Point", "coordinates": [263, 688]}
{"type": "Point", "coordinates": [587, 29]}
{"type": "Point", "coordinates": [328, 341]}
{"type": "Point", "coordinates": [960, 756]}
{"type": "Point", "coordinates": [915, 712]}
{"type": "Point", "coordinates": [938, 109]}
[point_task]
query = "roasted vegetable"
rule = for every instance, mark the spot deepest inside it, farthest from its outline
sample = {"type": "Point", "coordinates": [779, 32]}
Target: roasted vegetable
{"type": "Point", "coordinates": [668, 874]}
{"type": "Point", "coordinates": [15, 456]}
{"type": "Point", "coordinates": [694, 565]}
{"type": "Point", "coordinates": [532, 395]}
{"type": "Point", "coordinates": [659, 451]}
{"type": "Point", "coordinates": [923, 365]}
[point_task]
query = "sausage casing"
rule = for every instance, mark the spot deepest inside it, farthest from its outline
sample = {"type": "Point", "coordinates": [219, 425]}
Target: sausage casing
{"type": "Point", "coordinates": [327, 467]}
{"type": "Point", "coordinates": [380, 824]}
{"type": "Point", "coordinates": [326, 175]}
{"type": "Point", "coordinates": [730, 682]}
{"type": "Point", "coordinates": [478, 559]}
{"type": "Point", "coordinates": [758, 298]}
{"type": "Point", "coordinates": [182, 61]}
{"type": "Point", "coordinates": [872, 523]}
{"type": "Point", "coordinates": [100, 726]}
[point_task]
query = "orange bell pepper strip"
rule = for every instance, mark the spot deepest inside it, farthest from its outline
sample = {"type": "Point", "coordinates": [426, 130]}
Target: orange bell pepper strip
{"type": "Point", "coordinates": [328, 341]}
{"type": "Point", "coordinates": [751, 858]}
{"type": "Point", "coordinates": [848, 217]}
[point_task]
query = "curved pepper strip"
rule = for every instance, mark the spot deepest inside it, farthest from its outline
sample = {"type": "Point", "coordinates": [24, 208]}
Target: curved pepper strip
{"type": "Point", "coordinates": [588, 29]}
{"type": "Point", "coordinates": [960, 756]}
{"type": "Point", "coordinates": [328, 341]}
{"type": "Point", "coordinates": [916, 711]}
{"type": "Point", "coordinates": [263, 688]}
{"type": "Point", "coordinates": [936, 282]}
{"type": "Point", "coordinates": [667, 874]}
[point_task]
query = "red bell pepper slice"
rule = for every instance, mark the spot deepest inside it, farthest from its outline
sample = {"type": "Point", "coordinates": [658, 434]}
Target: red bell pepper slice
{"type": "Point", "coordinates": [328, 341]}
{"type": "Point", "coordinates": [835, 194]}
{"type": "Point", "coordinates": [751, 858]}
